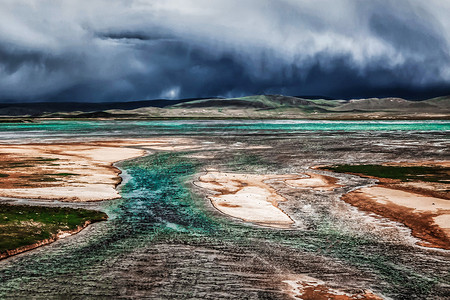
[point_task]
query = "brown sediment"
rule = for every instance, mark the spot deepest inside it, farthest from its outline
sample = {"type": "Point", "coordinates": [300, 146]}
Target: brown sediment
{"type": "Point", "coordinates": [308, 288]}
{"type": "Point", "coordinates": [54, 238]}
{"type": "Point", "coordinates": [432, 189]}
{"type": "Point", "coordinates": [426, 220]}
{"type": "Point", "coordinates": [228, 205]}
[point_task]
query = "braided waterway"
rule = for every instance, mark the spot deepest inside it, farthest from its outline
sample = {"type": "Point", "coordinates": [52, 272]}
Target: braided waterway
{"type": "Point", "coordinates": [164, 239]}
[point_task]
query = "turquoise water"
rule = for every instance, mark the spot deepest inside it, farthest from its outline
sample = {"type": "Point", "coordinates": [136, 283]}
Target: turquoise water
{"type": "Point", "coordinates": [60, 129]}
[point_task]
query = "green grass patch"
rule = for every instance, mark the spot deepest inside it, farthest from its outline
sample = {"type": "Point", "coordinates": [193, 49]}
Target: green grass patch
{"type": "Point", "coordinates": [422, 173]}
{"type": "Point", "coordinates": [26, 225]}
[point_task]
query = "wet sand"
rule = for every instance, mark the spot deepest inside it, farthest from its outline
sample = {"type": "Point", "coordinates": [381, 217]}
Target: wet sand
{"type": "Point", "coordinates": [422, 206]}
{"type": "Point", "coordinates": [314, 181]}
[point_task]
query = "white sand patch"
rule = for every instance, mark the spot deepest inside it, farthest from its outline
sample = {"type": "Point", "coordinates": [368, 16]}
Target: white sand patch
{"type": "Point", "coordinates": [443, 221]}
{"type": "Point", "coordinates": [85, 192]}
{"type": "Point", "coordinates": [247, 197]}
{"type": "Point", "coordinates": [80, 172]}
{"type": "Point", "coordinates": [315, 181]}
{"type": "Point", "coordinates": [105, 155]}
{"type": "Point", "coordinates": [418, 203]}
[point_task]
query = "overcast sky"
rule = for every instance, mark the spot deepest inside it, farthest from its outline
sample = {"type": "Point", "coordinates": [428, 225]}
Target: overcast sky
{"type": "Point", "coordinates": [103, 50]}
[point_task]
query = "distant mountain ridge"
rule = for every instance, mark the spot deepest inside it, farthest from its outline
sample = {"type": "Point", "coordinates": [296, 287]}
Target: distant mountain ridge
{"type": "Point", "coordinates": [36, 108]}
{"type": "Point", "coordinates": [279, 101]}
{"type": "Point", "coordinates": [277, 106]}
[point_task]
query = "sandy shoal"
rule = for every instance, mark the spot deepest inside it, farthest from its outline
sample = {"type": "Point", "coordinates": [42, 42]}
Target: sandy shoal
{"type": "Point", "coordinates": [250, 197]}
{"type": "Point", "coordinates": [246, 196]}
{"type": "Point", "coordinates": [428, 217]}
{"type": "Point", "coordinates": [79, 172]}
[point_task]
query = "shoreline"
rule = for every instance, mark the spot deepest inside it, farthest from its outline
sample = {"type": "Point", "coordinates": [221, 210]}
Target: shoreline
{"type": "Point", "coordinates": [54, 238]}
{"type": "Point", "coordinates": [64, 233]}
{"type": "Point", "coordinates": [73, 172]}
{"type": "Point", "coordinates": [336, 117]}
{"type": "Point", "coordinates": [423, 207]}
{"type": "Point", "coordinates": [421, 221]}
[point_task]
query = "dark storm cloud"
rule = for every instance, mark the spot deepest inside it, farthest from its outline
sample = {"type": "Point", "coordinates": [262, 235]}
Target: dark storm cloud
{"type": "Point", "coordinates": [101, 50]}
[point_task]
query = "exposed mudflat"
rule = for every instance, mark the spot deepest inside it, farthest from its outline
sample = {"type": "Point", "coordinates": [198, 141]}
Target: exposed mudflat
{"type": "Point", "coordinates": [305, 287]}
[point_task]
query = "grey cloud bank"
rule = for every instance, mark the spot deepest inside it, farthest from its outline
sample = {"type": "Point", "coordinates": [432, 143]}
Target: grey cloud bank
{"type": "Point", "coordinates": [102, 50]}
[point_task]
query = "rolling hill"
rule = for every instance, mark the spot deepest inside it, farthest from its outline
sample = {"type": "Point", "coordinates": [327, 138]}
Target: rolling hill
{"type": "Point", "coordinates": [259, 106]}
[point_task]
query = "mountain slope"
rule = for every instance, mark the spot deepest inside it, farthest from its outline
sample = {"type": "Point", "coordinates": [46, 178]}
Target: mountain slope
{"type": "Point", "coordinates": [259, 106]}
{"type": "Point", "coordinates": [387, 104]}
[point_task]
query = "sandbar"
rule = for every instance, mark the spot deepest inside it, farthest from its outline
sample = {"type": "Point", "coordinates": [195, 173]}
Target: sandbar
{"type": "Point", "coordinates": [66, 172]}
{"type": "Point", "coordinates": [247, 197]}
{"type": "Point", "coordinates": [251, 197]}
{"type": "Point", "coordinates": [77, 172]}
{"type": "Point", "coordinates": [426, 216]}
